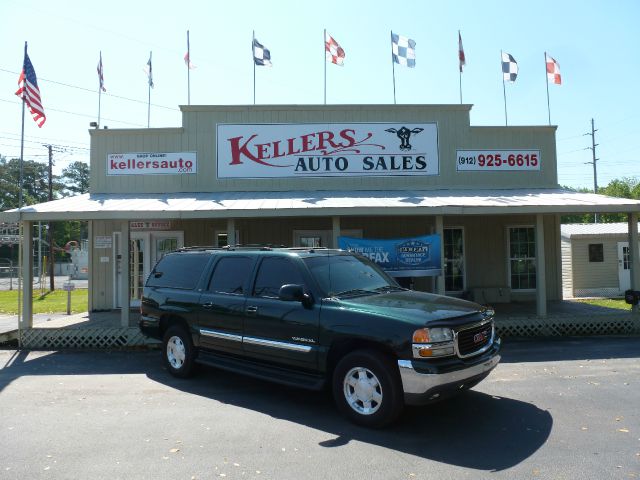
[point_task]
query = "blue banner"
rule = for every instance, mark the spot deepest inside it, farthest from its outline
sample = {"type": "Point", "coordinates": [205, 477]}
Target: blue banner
{"type": "Point", "coordinates": [400, 257]}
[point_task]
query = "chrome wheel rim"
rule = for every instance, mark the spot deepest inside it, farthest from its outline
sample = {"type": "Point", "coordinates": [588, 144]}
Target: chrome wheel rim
{"type": "Point", "coordinates": [176, 352]}
{"type": "Point", "coordinates": [362, 391]}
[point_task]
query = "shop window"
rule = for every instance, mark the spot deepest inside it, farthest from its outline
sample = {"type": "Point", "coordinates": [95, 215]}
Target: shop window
{"type": "Point", "coordinates": [596, 252]}
{"type": "Point", "coordinates": [453, 245]}
{"type": "Point", "coordinates": [311, 241]}
{"type": "Point", "coordinates": [522, 258]}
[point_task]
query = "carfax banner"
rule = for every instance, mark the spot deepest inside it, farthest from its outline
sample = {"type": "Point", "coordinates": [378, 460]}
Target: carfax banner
{"type": "Point", "coordinates": [400, 257]}
{"type": "Point", "coordinates": [327, 150]}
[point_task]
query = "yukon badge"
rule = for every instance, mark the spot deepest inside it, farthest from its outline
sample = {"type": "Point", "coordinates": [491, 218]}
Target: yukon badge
{"type": "Point", "coordinates": [302, 339]}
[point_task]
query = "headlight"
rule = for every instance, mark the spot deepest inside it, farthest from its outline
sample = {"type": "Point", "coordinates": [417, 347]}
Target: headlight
{"type": "Point", "coordinates": [432, 335]}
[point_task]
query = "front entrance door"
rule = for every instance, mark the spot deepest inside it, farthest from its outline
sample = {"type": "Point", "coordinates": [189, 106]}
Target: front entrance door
{"type": "Point", "coordinates": [624, 266]}
{"type": "Point", "coordinates": [145, 249]}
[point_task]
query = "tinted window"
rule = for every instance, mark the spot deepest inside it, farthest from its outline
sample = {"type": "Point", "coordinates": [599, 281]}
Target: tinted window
{"type": "Point", "coordinates": [181, 270]}
{"type": "Point", "coordinates": [342, 273]}
{"type": "Point", "coordinates": [275, 272]}
{"type": "Point", "coordinates": [230, 275]}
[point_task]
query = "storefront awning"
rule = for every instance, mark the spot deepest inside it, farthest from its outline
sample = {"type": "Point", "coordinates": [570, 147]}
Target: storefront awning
{"type": "Point", "coordinates": [105, 206]}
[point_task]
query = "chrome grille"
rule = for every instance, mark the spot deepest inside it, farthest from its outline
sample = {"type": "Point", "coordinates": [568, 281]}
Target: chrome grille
{"type": "Point", "coordinates": [474, 339]}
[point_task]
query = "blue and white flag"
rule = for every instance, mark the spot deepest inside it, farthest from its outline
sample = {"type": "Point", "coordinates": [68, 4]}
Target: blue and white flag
{"type": "Point", "coordinates": [261, 55]}
{"type": "Point", "coordinates": [403, 50]}
{"type": "Point", "coordinates": [509, 68]}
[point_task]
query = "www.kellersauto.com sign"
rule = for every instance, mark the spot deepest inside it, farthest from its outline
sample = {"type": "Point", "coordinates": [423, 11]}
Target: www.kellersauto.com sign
{"type": "Point", "coordinates": [152, 163]}
{"type": "Point", "coordinates": [327, 150]}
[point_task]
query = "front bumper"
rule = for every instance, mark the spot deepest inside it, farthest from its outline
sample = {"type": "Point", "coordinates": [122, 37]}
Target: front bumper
{"type": "Point", "coordinates": [422, 387]}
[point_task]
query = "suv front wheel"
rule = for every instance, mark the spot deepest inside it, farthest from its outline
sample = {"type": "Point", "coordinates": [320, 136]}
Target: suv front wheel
{"type": "Point", "coordinates": [178, 352]}
{"type": "Point", "coordinates": [367, 388]}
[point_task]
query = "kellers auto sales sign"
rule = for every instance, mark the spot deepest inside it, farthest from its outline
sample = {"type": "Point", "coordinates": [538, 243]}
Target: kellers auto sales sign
{"type": "Point", "coordinates": [327, 150]}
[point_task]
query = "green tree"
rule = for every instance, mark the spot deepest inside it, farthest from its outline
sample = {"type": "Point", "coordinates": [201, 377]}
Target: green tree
{"type": "Point", "coordinates": [35, 183]}
{"type": "Point", "coordinates": [626, 187]}
{"type": "Point", "coordinates": [76, 178]}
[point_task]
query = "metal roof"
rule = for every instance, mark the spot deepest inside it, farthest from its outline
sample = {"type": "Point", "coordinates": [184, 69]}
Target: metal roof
{"type": "Point", "coordinates": [103, 206]}
{"type": "Point", "coordinates": [593, 229]}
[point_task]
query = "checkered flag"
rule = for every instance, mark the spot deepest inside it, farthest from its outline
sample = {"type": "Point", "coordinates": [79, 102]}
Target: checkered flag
{"type": "Point", "coordinates": [334, 52]}
{"type": "Point", "coordinates": [261, 55]}
{"type": "Point", "coordinates": [509, 68]}
{"type": "Point", "coordinates": [403, 50]}
{"type": "Point", "coordinates": [553, 70]}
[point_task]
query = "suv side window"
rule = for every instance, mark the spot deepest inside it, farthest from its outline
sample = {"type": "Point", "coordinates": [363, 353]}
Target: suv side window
{"type": "Point", "coordinates": [180, 270]}
{"type": "Point", "coordinates": [275, 272]}
{"type": "Point", "coordinates": [230, 275]}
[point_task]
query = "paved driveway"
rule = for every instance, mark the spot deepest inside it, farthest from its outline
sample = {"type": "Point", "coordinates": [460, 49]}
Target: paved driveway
{"type": "Point", "coordinates": [565, 409]}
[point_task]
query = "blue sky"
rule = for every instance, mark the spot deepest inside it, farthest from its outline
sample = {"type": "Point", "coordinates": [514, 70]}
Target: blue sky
{"type": "Point", "coordinates": [595, 42]}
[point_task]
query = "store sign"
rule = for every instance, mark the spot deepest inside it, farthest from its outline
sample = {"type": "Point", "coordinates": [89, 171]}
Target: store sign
{"type": "Point", "coordinates": [327, 150]}
{"type": "Point", "coordinates": [497, 160]}
{"type": "Point", "coordinates": [402, 257]}
{"type": "Point", "coordinates": [102, 241]}
{"type": "Point", "coordinates": [151, 163]}
{"type": "Point", "coordinates": [153, 225]}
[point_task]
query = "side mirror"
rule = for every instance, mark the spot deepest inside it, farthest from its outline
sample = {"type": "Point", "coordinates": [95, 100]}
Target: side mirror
{"type": "Point", "coordinates": [295, 293]}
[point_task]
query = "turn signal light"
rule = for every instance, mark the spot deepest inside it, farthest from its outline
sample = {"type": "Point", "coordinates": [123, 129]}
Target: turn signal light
{"type": "Point", "coordinates": [421, 336]}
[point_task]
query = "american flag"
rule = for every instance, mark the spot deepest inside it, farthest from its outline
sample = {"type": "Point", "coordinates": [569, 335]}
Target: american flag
{"type": "Point", "coordinates": [553, 70]}
{"type": "Point", "coordinates": [101, 74]}
{"type": "Point", "coordinates": [334, 52]}
{"type": "Point", "coordinates": [509, 68]}
{"type": "Point", "coordinates": [149, 71]}
{"type": "Point", "coordinates": [461, 52]}
{"type": "Point", "coordinates": [29, 91]}
{"type": "Point", "coordinates": [403, 50]}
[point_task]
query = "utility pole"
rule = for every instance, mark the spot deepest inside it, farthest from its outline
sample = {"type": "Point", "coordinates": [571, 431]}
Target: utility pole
{"type": "Point", "coordinates": [595, 170]}
{"type": "Point", "coordinates": [52, 255]}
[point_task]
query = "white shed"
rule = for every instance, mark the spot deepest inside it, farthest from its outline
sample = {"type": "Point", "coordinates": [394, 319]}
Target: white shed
{"type": "Point", "coordinates": [595, 259]}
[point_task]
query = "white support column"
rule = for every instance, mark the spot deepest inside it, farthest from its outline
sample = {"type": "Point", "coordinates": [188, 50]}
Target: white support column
{"type": "Point", "coordinates": [541, 281]}
{"type": "Point", "coordinates": [125, 264]}
{"type": "Point", "coordinates": [335, 232]}
{"type": "Point", "coordinates": [26, 320]}
{"type": "Point", "coordinates": [634, 256]}
{"type": "Point", "coordinates": [90, 265]}
{"type": "Point", "coordinates": [440, 285]}
{"type": "Point", "coordinates": [231, 232]}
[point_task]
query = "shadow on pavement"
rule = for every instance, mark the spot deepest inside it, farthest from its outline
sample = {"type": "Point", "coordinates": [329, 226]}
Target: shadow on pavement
{"type": "Point", "coordinates": [475, 430]}
{"type": "Point", "coordinates": [574, 348]}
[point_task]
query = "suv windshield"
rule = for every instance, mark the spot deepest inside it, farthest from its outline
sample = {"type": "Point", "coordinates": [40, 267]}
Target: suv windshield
{"type": "Point", "coordinates": [348, 275]}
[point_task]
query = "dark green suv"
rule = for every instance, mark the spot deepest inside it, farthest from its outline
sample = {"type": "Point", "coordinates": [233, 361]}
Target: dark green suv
{"type": "Point", "coordinates": [317, 318]}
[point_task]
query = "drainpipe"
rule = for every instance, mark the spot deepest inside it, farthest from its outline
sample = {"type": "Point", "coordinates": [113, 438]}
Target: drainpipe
{"type": "Point", "coordinates": [634, 256]}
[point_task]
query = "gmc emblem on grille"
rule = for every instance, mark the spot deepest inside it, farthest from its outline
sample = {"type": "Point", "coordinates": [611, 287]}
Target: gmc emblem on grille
{"type": "Point", "coordinates": [480, 337]}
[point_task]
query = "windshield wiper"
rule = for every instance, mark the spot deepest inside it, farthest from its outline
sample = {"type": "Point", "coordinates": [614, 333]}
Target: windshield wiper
{"type": "Point", "coordinates": [355, 291]}
{"type": "Point", "coordinates": [389, 288]}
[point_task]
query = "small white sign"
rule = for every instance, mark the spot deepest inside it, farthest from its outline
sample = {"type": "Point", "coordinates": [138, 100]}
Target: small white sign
{"type": "Point", "coordinates": [68, 287]}
{"type": "Point", "coordinates": [497, 160]}
{"type": "Point", "coordinates": [102, 241]}
{"type": "Point", "coordinates": [152, 163]}
{"type": "Point", "coordinates": [104, 259]}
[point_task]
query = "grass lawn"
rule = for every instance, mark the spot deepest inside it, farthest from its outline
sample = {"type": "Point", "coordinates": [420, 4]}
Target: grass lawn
{"type": "Point", "coordinates": [608, 302]}
{"type": "Point", "coordinates": [54, 302]}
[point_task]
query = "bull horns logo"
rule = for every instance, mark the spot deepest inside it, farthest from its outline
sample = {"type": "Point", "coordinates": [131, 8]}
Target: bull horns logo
{"type": "Point", "coordinates": [404, 134]}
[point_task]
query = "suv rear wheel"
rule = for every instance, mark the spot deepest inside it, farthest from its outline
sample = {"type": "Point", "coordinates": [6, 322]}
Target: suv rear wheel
{"type": "Point", "coordinates": [178, 352]}
{"type": "Point", "coordinates": [367, 388]}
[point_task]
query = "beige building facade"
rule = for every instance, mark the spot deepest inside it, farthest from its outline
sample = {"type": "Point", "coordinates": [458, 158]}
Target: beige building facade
{"type": "Point", "coordinates": [306, 175]}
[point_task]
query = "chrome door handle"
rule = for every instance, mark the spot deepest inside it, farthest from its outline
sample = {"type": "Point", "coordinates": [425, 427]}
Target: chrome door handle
{"type": "Point", "coordinates": [208, 305]}
{"type": "Point", "coordinates": [252, 310]}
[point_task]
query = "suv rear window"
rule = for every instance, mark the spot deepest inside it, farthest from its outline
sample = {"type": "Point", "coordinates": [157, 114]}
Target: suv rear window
{"type": "Point", "coordinates": [230, 274]}
{"type": "Point", "coordinates": [181, 270]}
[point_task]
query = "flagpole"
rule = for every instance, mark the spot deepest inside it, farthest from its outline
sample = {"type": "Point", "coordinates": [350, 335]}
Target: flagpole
{"type": "Point", "coordinates": [547, 79]}
{"type": "Point", "coordinates": [99, 90]}
{"type": "Point", "coordinates": [20, 200]}
{"type": "Point", "coordinates": [460, 65]}
{"type": "Point", "coordinates": [504, 93]}
{"type": "Point", "coordinates": [324, 40]}
{"type": "Point", "coordinates": [393, 67]}
{"type": "Point", "coordinates": [188, 71]}
{"type": "Point", "coordinates": [253, 55]}
{"type": "Point", "coordinates": [149, 88]}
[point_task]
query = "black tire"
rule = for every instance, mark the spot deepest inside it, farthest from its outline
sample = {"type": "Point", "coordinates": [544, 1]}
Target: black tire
{"type": "Point", "coordinates": [178, 351]}
{"type": "Point", "coordinates": [367, 388]}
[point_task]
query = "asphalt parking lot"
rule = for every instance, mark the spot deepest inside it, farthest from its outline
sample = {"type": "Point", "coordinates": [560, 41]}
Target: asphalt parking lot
{"type": "Point", "coordinates": [561, 409]}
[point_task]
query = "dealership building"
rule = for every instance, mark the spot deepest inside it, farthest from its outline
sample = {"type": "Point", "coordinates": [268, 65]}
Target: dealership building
{"type": "Point", "coordinates": [483, 202]}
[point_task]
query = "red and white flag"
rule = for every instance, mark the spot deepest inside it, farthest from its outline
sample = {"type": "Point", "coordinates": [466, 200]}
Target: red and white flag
{"type": "Point", "coordinates": [461, 52]}
{"type": "Point", "coordinates": [101, 74]}
{"type": "Point", "coordinates": [187, 61]}
{"type": "Point", "coordinates": [553, 70]}
{"type": "Point", "coordinates": [334, 52]}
